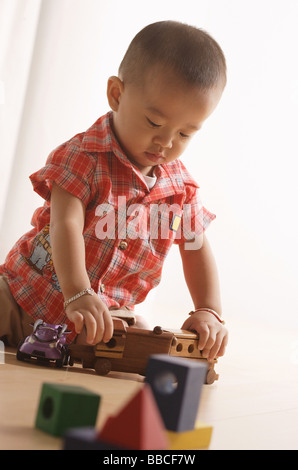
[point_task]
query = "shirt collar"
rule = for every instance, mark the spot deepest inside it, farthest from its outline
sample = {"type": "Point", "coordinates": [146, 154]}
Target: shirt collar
{"type": "Point", "coordinates": [100, 137]}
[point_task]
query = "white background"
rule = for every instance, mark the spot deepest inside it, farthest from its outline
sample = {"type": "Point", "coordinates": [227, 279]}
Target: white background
{"type": "Point", "coordinates": [56, 56]}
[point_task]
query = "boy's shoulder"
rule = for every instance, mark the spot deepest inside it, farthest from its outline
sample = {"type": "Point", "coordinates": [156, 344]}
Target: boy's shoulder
{"type": "Point", "coordinates": [96, 138]}
{"type": "Point", "coordinates": [83, 148]}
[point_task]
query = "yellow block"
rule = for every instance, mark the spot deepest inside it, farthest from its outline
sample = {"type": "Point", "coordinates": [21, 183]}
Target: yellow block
{"type": "Point", "coordinates": [197, 438]}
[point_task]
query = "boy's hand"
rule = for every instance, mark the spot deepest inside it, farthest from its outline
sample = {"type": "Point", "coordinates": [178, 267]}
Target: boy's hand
{"type": "Point", "coordinates": [94, 314]}
{"type": "Point", "coordinates": [213, 336]}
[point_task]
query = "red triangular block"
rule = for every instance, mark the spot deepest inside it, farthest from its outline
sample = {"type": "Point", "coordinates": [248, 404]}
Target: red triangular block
{"type": "Point", "coordinates": [138, 425]}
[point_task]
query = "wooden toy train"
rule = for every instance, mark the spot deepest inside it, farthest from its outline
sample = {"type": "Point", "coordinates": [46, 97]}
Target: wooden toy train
{"type": "Point", "coordinates": [129, 350]}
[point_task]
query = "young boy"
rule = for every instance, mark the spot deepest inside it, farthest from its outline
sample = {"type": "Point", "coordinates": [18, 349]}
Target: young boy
{"type": "Point", "coordinates": [117, 197]}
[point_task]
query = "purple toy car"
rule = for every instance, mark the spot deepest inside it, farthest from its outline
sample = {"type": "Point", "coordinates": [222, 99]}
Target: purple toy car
{"type": "Point", "coordinates": [46, 343]}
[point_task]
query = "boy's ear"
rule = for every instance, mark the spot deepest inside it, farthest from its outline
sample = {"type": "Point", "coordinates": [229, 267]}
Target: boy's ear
{"type": "Point", "coordinates": [114, 91]}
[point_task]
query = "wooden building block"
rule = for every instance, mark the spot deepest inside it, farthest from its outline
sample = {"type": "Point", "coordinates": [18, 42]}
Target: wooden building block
{"type": "Point", "coordinates": [137, 426]}
{"type": "Point", "coordinates": [85, 438]}
{"type": "Point", "coordinates": [197, 438]}
{"type": "Point", "coordinates": [176, 385]}
{"type": "Point", "coordinates": [65, 406]}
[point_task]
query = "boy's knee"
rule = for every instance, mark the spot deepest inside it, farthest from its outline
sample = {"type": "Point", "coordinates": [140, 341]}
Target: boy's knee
{"type": "Point", "coordinates": [141, 323]}
{"type": "Point", "coordinates": [14, 321]}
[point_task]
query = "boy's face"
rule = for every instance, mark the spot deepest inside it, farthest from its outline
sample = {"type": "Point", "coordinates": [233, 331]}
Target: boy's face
{"type": "Point", "coordinates": [155, 121]}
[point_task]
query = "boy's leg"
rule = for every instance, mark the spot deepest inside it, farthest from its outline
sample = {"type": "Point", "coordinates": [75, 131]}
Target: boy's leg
{"type": "Point", "coordinates": [14, 321]}
{"type": "Point", "coordinates": [141, 322]}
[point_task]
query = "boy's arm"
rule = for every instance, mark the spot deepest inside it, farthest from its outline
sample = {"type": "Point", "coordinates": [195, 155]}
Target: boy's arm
{"type": "Point", "coordinates": [68, 252]}
{"type": "Point", "coordinates": [201, 277]}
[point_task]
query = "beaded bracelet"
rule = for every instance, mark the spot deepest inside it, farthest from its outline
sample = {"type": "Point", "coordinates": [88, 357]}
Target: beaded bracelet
{"type": "Point", "coordinates": [202, 309]}
{"type": "Point", "coordinates": [77, 296]}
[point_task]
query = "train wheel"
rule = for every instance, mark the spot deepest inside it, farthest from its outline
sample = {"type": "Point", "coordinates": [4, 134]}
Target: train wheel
{"type": "Point", "coordinates": [211, 376]}
{"type": "Point", "coordinates": [102, 366]}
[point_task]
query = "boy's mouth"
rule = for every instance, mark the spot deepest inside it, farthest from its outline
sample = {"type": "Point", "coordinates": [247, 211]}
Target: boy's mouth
{"type": "Point", "coordinates": [155, 157]}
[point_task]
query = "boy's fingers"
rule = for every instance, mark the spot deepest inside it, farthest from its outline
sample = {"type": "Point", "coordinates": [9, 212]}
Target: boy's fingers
{"type": "Point", "coordinates": [219, 346]}
{"type": "Point", "coordinates": [203, 336]}
{"type": "Point", "coordinates": [93, 328]}
{"type": "Point", "coordinates": [213, 352]}
{"type": "Point", "coordinates": [209, 345]}
{"type": "Point", "coordinates": [101, 327]}
{"type": "Point", "coordinates": [187, 324]}
{"type": "Point", "coordinates": [223, 346]}
{"type": "Point", "coordinates": [109, 327]}
{"type": "Point", "coordinates": [212, 340]}
{"type": "Point", "coordinates": [99, 330]}
{"type": "Point", "coordinates": [77, 319]}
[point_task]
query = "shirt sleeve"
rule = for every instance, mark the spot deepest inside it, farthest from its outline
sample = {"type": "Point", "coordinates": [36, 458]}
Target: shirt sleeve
{"type": "Point", "coordinates": [195, 218]}
{"type": "Point", "coordinates": [69, 168]}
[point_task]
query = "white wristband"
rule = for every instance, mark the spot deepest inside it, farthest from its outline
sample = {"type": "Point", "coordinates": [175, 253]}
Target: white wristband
{"type": "Point", "coordinates": [77, 296]}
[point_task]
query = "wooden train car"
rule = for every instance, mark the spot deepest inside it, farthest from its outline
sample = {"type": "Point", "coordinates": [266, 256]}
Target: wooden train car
{"type": "Point", "coordinates": [129, 350]}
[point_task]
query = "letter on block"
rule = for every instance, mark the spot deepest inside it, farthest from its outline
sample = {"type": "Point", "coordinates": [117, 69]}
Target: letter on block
{"type": "Point", "coordinates": [176, 385]}
{"type": "Point", "coordinates": [66, 406]}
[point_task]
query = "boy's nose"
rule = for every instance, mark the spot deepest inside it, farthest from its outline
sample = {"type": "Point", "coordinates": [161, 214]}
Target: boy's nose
{"type": "Point", "coordinates": [163, 140]}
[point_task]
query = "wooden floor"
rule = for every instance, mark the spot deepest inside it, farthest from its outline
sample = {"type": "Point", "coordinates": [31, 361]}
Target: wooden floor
{"type": "Point", "coordinates": [253, 405]}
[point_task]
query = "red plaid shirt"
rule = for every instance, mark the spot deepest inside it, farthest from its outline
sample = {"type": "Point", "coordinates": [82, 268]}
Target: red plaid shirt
{"type": "Point", "coordinates": [128, 231]}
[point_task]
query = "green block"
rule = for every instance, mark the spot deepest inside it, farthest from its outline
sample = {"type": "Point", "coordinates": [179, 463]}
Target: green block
{"type": "Point", "coordinates": [66, 406]}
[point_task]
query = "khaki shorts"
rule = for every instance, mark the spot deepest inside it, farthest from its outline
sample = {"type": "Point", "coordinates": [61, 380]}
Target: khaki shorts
{"type": "Point", "coordinates": [14, 321]}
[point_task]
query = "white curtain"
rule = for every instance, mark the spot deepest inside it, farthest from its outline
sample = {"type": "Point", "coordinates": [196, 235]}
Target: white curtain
{"type": "Point", "coordinates": [18, 26]}
{"type": "Point", "coordinates": [49, 64]}
{"type": "Point", "coordinates": [55, 58]}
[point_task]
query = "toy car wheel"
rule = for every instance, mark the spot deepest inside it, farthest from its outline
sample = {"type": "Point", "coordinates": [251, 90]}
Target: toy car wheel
{"type": "Point", "coordinates": [63, 360]}
{"type": "Point", "coordinates": [20, 355]}
{"type": "Point", "coordinates": [67, 361]}
{"type": "Point", "coordinates": [60, 362]}
{"type": "Point", "coordinates": [102, 366]}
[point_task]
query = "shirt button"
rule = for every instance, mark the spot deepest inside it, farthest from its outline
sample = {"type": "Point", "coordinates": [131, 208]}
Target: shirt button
{"type": "Point", "coordinates": [123, 245]}
{"type": "Point", "coordinates": [102, 288]}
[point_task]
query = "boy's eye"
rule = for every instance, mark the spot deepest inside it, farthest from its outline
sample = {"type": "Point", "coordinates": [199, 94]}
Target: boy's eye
{"type": "Point", "coordinates": [153, 124]}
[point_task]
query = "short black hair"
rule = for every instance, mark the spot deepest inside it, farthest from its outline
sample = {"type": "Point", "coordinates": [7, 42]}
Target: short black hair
{"type": "Point", "coordinates": [191, 53]}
